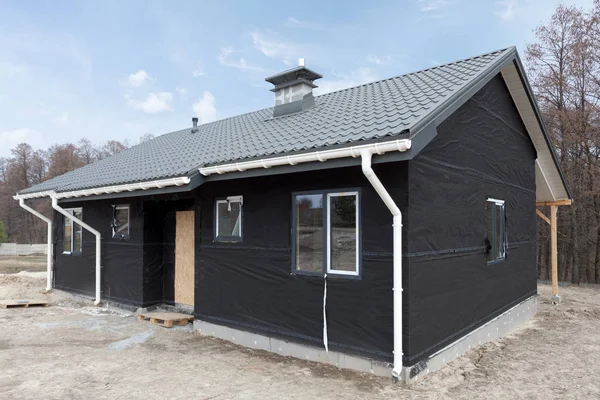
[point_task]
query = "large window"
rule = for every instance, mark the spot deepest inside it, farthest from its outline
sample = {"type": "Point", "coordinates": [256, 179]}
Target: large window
{"type": "Point", "coordinates": [120, 224]}
{"type": "Point", "coordinates": [72, 232]}
{"type": "Point", "coordinates": [228, 215]}
{"type": "Point", "coordinates": [495, 240]}
{"type": "Point", "coordinates": [326, 233]}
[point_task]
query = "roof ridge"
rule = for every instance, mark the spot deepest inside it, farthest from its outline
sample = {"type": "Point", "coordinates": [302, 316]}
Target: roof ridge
{"type": "Point", "coordinates": [352, 87]}
{"type": "Point", "coordinates": [418, 71]}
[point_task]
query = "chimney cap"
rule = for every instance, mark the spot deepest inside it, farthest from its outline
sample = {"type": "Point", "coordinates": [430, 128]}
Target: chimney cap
{"type": "Point", "coordinates": [195, 121]}
{"type": "Point", "coordinates": [292, 75]}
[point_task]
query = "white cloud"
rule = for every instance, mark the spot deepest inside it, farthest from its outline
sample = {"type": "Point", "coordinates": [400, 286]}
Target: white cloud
{"type": "Point", "coordinates": [9, 139]}
{"type": "Point", "coordinates": [154, 103]}
{"type": "Point", "coordinates": [429, 6]}
{"type": "Point", "coordinates": [9, 69]}
{"type": "Point", "coordinates": [379, 60]}
{"type": "Point", "coordinates": [181, 90]}
{"type": "Point", "coordinates": [286, 52]}
{"type": "Point", "coordinates": [433, 9]}
{"type": "Point", "coordinates": [138, 78]}
{"type": "Point", "coordinates": [344, 81]}
{"type": "Point", "coordinates": [62, 118]}
{"type": "Point", "coordinates": [297, 23]}
{"type": "Point", "coordinates": [199, 71]}
{"type": "Point", "coordinates": [51, 113]}
{"type": "Point", "coordinates": [205, 108]}
{"type": "Point", "coordinates": [225, 59]}
{"type": "Point", "coordinates": [505, 9]}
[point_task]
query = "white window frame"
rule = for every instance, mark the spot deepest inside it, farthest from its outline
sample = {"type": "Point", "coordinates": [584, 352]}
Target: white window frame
{"type": "Point", "coordinates": [70, 211]}
{"type": "Point", "coordinates": [228, 201]}
{"type": "Point", "coordinates": [121, 207]}
{"type": "Point", "coordinates": [356, 271]}
{"type": "Point", "coordinates": [501, 203]}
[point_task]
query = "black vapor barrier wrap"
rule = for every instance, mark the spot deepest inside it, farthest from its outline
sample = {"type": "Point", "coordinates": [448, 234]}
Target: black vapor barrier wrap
{"type": "Point", "coordinates": [482, 151]}
{"type": "Point", "coordinates": [250, 284]}
{"type": "Point", "coordinates": [138, 264]}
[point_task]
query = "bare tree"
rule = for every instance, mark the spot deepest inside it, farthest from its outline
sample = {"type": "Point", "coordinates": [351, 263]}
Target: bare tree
{"type": "Point", "coordinates": [564, 66]}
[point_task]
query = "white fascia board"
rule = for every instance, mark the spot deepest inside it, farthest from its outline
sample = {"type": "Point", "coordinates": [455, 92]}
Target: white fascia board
{"type": "Point", "coordinates": [322, 156]}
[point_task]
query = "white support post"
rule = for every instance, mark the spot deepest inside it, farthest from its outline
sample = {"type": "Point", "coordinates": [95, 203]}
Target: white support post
{"type": "Point", "coordinates": [49, 252]}
{"type": "Point", "coordinates": [91, 230]}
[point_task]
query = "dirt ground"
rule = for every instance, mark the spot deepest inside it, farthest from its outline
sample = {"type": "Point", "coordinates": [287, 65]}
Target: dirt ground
{"type": "Point", "coordinates": [12, 265]}
{"type": "Point", "coordinates": [74, 351]}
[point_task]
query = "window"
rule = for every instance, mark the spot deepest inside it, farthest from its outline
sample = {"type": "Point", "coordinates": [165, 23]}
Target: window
{"type": "Point", "coordinates": [72, 232]}
{"type": "Point", "coordinates": [326, 233]}
{"type": "Point", "coordinates": [120, 224]}
{"type": "Point", "coordinates": [228, 224]}
{"type": "Point", "coordinates": [495, 237]}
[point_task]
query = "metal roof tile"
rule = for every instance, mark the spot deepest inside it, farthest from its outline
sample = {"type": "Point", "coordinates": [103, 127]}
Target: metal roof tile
{"type": "Point", "coordinates": [370, 111]}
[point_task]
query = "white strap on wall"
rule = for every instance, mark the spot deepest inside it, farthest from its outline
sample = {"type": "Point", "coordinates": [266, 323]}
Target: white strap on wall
{"type": "Point", "coordinates": [325, 340]}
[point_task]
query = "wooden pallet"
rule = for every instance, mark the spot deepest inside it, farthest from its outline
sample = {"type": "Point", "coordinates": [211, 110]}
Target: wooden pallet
{"type": "Point", "coordinates": [23, 303]}
{"type": "Point", "coordinates": [166, 319]}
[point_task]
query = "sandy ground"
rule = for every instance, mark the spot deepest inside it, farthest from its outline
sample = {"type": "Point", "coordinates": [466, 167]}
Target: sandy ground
{"type": "Point", "coordinates": [12, 265]}
{"type": "Point", "coordinates": [74, 351]}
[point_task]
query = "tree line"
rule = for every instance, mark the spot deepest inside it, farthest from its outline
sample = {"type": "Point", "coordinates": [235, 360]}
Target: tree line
{"type": "Point", "coordinates": [27, 167]}
{"type": "Point", "coordinates": [563, 66]}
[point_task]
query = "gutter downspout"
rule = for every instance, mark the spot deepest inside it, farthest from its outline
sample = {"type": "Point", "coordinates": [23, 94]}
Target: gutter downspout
{"type": "Point", "coordinates": [91, 230]}
{"type": "Point", "coordinates": [397, 285]}
{"type": "Point", "coordinates": [49, 252]}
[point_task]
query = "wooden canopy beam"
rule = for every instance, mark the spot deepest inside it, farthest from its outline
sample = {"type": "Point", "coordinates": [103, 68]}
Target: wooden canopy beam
{"type": "Point", "coordinates": [554, 203]}
{"type": "Point", "coordinates": [542, 216]}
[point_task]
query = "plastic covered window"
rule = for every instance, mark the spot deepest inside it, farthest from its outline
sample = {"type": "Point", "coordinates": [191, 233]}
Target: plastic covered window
{"type": "Point", "coordinates": [120, 224]}
{"type": "Point", "coordinates": [72, 232]}
{"type": "Point", "coordinates": [495, 239]}
{"type": "Point", "coordinates": [228, 224]}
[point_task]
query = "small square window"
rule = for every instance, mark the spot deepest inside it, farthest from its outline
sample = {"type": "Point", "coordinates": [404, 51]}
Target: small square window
{"type": "Point", "coordinates": [495, 237]}
{"type": "Point", "coordinates": [120, 224]}
{"type": "Point", "coordinates": [228, 221]}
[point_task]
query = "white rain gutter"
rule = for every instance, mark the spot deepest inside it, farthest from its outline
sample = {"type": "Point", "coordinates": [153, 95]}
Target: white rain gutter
{"type": "Point", "coordinates": [91, 230]}
{"type": "Point", "coordinates": [354, 151]}
{"type": "Point", "coordinates": [365, 152]}
{"type": "Point", "coordinates": [130, 187]}
{"type": "Point", "coordinates": [366, 155]}
{"type": "Point", "coordinates": [49, 252]}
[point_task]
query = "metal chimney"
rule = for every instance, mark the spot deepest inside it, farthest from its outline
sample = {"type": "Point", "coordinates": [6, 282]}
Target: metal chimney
{"type": "Point", "coordinates": [293, 89]}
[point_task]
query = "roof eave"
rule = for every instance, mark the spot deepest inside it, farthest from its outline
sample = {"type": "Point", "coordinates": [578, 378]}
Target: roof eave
{"type": "Point", "coordinates": [134, 189]}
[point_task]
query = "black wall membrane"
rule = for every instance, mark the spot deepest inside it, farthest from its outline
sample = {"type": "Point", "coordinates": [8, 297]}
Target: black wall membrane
{"type": "Point", "coordinates": [139, 270]}
{"type": "Point", "coordinates": [249, 285]}
{"type": "Point", "coordinates": [121, 258]}
{"type": "Point", "coordinates": [481, 151]}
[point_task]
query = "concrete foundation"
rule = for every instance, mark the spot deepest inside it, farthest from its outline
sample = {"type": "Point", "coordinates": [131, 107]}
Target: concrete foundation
{"type": "Point", "coordinates": [499, 326]}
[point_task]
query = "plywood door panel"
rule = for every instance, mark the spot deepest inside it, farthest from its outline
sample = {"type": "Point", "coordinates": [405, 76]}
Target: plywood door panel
{"type": "Point", "coordinates": [184, 258]}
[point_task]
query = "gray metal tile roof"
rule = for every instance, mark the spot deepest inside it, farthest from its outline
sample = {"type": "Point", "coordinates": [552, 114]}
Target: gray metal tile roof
{"type": "Point", "coordinates": [370, 111]}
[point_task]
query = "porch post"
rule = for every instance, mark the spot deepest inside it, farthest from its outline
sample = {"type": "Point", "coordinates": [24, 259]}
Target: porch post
{"type": "Point", "coordinates": [554, 253]}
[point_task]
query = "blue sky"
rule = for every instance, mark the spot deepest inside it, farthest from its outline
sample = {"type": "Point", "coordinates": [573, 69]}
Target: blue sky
{"type": "Point", "coordinates": [120, 69]}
